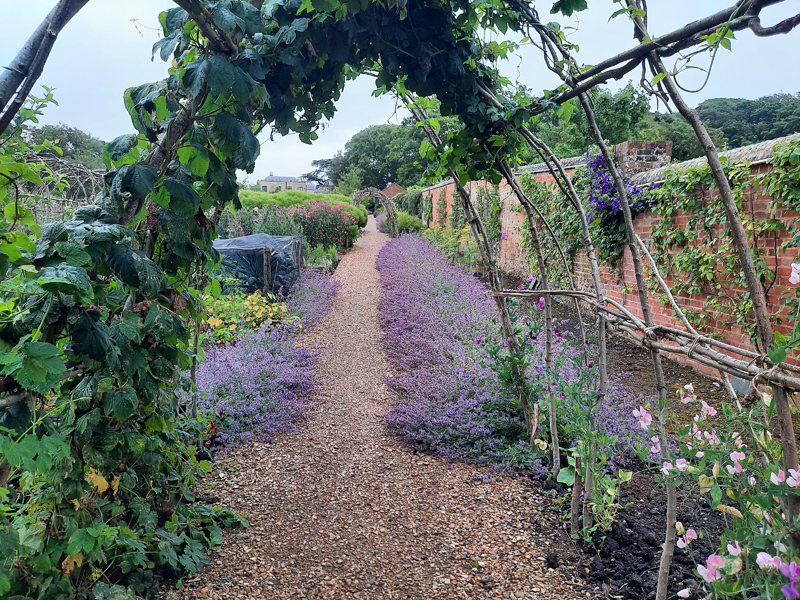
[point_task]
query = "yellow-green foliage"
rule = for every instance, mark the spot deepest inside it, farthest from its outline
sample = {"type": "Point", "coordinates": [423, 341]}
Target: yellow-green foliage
{"type": "Point", "coordinates": [286, 199]}
{"type": "Point", "coordinates": [227, 315]}
{"type": "Point", "coordinates": [359, 213]}
{"type": "Point", "coordinates": [407, 223]}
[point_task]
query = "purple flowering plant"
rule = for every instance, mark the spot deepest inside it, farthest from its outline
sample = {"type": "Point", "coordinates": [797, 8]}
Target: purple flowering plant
{"type": "Point", "coordinates": [311, 296]}
{"type": "Point", "coordinates": [441, 338]}
{"type": "Point", "coordinates": [604, 209]}
{"type": "Point", "coordinates": [257, 384]}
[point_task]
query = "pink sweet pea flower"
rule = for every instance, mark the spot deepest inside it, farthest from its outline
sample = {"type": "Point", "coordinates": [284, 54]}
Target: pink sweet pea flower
{"type": "Point", "coordinates": [504, 236]}
{"type": "Point", "coordinates": [687, 538]}
{"type": "Point", "coordinates": [679, 528]}
{"type": "Point", "coordinates": [666, 468]}
{"type": "Point", "coordinates": [767, 561]}
{"type": "Point", "coordinates": [794, 478]}
{"type": "Point", "coordinates": [737, 467]}
{"type": "Point", "coordinates": [645, 419]}
{"type": "Point", "coordinates": [656, 447]}
{"type": "Point", "coordinates": [684, 593]}
{"type": "Point", "coordinates": [540, 304]}
{"type": "Point", "coordinates": [708, 409]}
{"type": "Point", "coordinates": [794, 278]}
{"type": "Point", "coordinates": [681, 464]}
{"type": "Point", "coordinates": [711, 571]}
{"type": "Point", "coordinates": [778, 478]}
{"type": "Point", "coordinates": [734, 550]}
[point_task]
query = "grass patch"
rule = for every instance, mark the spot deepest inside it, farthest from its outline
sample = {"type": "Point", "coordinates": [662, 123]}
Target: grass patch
{"type": "Point", "coordinates": [288, 198]}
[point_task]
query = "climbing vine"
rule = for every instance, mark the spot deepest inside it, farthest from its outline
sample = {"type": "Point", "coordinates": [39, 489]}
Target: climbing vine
{"type": "Point", "coordinates": [692, 237]}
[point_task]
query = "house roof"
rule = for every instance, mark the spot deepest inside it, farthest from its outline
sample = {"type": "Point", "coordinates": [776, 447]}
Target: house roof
{"type": "Point", "coordinates": [281, 178]}
{"type": "Point", "coordinates": [393, 190]}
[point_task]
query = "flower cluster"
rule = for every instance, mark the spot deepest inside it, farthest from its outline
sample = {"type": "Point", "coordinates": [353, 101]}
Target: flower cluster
{"type": "Point", "coordinates": [311, 296]}
{"type": "Point", "coordinates": [260, 382]}
{"type": "Point", "coordinates": [325, 224]}
{"type": "Point", "coordinates": [436, 321]}
{"type": "Point", "coordinates": [603, 194]}
{"type": "Point", "coordinates": [735, 464]}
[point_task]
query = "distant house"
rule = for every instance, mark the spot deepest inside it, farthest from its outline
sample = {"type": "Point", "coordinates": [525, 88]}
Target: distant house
{"type": "Point", "coordinates": [393, 190]}
{"type": "Point", "coordinates": [278, 183]}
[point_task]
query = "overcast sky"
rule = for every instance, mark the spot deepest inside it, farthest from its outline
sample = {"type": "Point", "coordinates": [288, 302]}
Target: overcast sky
{"type": "Point", "coordinates": [106, 48]}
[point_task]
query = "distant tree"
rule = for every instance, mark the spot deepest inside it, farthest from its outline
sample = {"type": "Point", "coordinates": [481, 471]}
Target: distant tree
{"type": "Point", "coordinates": [381, 154]}
{"type": "Point", "coordinates": [329, 168]}
{"type": "Point", "coordinates": [78, 146]}
{"type": "Point", "coordinates": [349, 182]}
{"type": "Point", "coordinates": [685, 144]}
{"type": "Point", "coordinates": [750, 121]}
{"type": "Point", "coordinates": [621, 117]}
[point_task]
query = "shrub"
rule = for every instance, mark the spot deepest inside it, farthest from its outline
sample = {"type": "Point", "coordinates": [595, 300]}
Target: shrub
{"type": "Point", "coordinates": [407, 223]}
{"type": "Point", "coordinates": [325, 224]}
{"type": "Point", "coordinates": [321, 256]}
{"type": "Point", "coordinates": [410, 202]}
{"type": "Point", "coordinates": [227, 316]}
{"type": "Point", "coordinates": [359, 213]}
{"type": "Point", "coordinates": [268, 219]}
{"type": "Point", "coordinates": [257, 384]}
{"type": "Point", "coordinates": [311, 296]}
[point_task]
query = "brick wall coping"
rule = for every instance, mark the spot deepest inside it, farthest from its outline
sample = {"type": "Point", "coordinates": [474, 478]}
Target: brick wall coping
{"type": "Point", "coordinates": [567, 163]}
{"type": "Point", "coordinates": [753, 154]}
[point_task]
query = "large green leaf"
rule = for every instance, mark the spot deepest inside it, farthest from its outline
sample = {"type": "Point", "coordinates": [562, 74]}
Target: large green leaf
{"type": "Point", "coordinates": [219, 75]}
{"type": "Point", "coordinates": [66, 279]}
{"type": "Point", "coordinates": [135, 270]}
{"type": "Point", "coordinates": [41, 367]}
{"type": "Point", "coordinates": [119, 147]}
{"type": "Point", "coordinates": [136, 179]}
{"type": "Point", "coordinates": [567, 7]}
{"type": "Point", "coordinates": [120, 404]}
{"type": "Point", "coordinates": [175, 227]}
{"type": "Point", "coordinates": [183, 192]}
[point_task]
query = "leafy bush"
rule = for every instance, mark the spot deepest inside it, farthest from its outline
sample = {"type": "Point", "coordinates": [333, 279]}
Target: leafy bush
{"type": "Point", "coordinates": [457, 245]}
{"type": "Point", "coordinates": [407, 223]}
{"type": "Point", "coordinates": [269, 219]}
{"type": "Point", "coordinates": [321, 256]}
{"type": "Point", "coordinates": [311, 296]}
{"type": "Point", "coordinates": [325, 224]}
{"type": "Point", "coordinates": [410, 202]}
{"type": "Point", "coordinates": [225, 317]}
{"type": "Point", "coordinates": [359, 213]}
{"type": "Point", "coordinates": [258, 384]}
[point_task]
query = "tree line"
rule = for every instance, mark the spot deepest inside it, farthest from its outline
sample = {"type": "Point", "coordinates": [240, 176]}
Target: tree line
{"type": "Point", "coordinates": [381, 154]}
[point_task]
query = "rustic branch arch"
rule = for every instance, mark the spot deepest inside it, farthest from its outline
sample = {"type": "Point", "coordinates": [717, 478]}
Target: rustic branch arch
{"type": "Point", "coordinates": [385, 202]}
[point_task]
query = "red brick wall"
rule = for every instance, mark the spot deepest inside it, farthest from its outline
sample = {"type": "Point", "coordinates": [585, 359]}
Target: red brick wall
{"type": "Point", "coordinates": [620, 284]}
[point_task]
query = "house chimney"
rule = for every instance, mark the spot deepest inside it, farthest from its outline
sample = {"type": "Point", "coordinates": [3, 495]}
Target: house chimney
{"type": "Point", "coordinates": [270, 173]}
{"type": "Point", "coordinates": [635, 157]}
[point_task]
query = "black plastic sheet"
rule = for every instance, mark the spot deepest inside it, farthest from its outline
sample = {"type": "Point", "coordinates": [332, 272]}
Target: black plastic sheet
{"type": "Point", "coordinates": [248, 257]}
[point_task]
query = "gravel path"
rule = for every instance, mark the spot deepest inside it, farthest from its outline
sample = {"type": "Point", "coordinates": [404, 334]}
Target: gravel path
{"type": "Point", "coordinates": [340, 509]}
